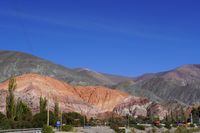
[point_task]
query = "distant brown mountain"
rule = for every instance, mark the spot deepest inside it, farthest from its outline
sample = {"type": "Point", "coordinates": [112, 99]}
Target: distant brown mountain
{"type": "Point", "coordinates": [181, 84]}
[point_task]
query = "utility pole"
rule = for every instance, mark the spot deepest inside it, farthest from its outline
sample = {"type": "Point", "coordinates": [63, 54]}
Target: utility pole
{"type": "Point", "coordinates": [48, 110]}
{"type": "Point", "coordinates": [127, 126]}
{"type": "Point", "coordinates": [127, 117]}
{"type": "Point", "coordinates": [61, 116]}
{"type": "Point", "coordinates": [84, 122]}
{"type": "Point", "coordinates": [199, 116]}
{"type": "Point", "coordinates": [191, 119]}
{"type": "Point", "coordinates": [128, 121]}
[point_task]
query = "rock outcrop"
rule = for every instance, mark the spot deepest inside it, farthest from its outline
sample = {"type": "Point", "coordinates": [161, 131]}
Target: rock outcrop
{"type": "Point", "coordinates": [138, 106]}
{"type": "Point", "coordinates": [103, 98]}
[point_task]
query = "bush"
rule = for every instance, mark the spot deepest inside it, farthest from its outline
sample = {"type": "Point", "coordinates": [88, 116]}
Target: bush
{"type": "Point", "coordinates": [192, 125]}
{"type": "Point", "coordinates": [2, 117]}
{"type": "Point", "coordinates": [120, 131]}
{"type": "Point", "coordinates": [47, 129]}
{"type": "Point", "coordinates": [153, 130]}
{"type": "Point", "coordinates": [133, 131]}
{"type": "Point", "coordinates": [40, 119]}
{"type": "Point", "coordinates": [116, 128]}
{"type": "Point", "coordinates": [73, 118]}
{"type": "Point", "coordinates": [168, 126]}
{"type": "Point", "coordinates": [6, 124]}
{"type": "Point", "coordinates": [92, 122]}
{"type": "Point", "coordinates": [67, 128]}
{"type": "Point", "coordinates": [192, 130]}
{"type": "Point", "coordinates": [159, 126]}
{"type": "Point", "coordinates": [11, 124]}
{"type": "Point", "coordinates": [23, 112]}
{"type": "Point", "coordinates": [174, 125]}
{"type": "Point", "coordinates": [117, 121]}
{"type": "Point", "coordinates": [23, 124]}
{"type": "Point", "coordinates": [166, 131]}
{"type": "Point", "coordinates": [139, 127]}
{"type": "Point", "coordinates": [3, 125]}
{"type": "Point", "coordinates": [181, 130]}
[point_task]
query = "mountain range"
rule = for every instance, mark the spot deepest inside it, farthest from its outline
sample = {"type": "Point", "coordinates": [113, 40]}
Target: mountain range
{"type": "Point", "coordinates": [178, 86]}
{"type": "Point", "coordinates": [17, 63]}
{"type": "Point", "coordinates": [181, 84]}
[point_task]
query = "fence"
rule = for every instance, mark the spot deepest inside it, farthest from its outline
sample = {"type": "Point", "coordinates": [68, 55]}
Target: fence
{"type": "Point", "coordinates": [28, 130]}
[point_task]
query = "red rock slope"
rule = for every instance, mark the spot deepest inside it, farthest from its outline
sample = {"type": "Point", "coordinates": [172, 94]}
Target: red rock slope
{"type": "Point", "coordinates": [88, 100]}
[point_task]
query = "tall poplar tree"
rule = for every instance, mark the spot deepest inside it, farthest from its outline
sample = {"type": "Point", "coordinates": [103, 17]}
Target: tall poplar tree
{"type": "Point", "coordinates": [56, 110]}
{"type": "Point", "coordinates": [43, 105]}
{"type": "Point", "coordinates": [10, 99]}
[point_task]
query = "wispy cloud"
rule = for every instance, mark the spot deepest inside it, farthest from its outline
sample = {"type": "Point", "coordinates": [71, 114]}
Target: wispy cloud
{"type": "Point", "coordinates": [91, 25]}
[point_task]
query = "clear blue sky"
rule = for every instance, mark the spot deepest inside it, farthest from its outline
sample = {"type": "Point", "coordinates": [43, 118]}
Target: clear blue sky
{"type": "Point", "coordinates": [126, 37]}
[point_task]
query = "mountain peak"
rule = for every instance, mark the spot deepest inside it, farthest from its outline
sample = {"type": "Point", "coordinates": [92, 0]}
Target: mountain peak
{"type": "Point", "coordinates": [18, 63]}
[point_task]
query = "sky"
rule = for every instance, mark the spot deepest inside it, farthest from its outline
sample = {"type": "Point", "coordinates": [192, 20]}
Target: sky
{"type": "Point", "coordinates": [123, 37]}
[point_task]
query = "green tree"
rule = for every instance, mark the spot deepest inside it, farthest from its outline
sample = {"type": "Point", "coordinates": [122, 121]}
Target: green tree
{"type": "Point", "coordinates": [40, 119]}
{"type": "Point", "coordinates": [183, 115]}
{"type": "Point", "coordinates": [196, 114]}
{"type": "Point", "coordinates": [172, 117]}
{"type": "Point", "coordinates": [6, 124]}
{"type": "Point", "coordinates": [67, 128]}
{"type": "Point", "coordinates": [117, 121]}
{"type": "Point", "coordinates": [73, 118]}
{"type": "Point", "coordinates": [2, 117]}
{"type": "Point", "coordinates": [56, 110]}
{"type": "Point", "coordinates": [10, 99]}
{"type": "Point", "coordinates": [167, 122]}
{"type": "Point", "coordinates": [43, 104]}
{"type": "Point", "coordinates": [47, 129]}
{"type": "Point", "coordinates": [23, 112]}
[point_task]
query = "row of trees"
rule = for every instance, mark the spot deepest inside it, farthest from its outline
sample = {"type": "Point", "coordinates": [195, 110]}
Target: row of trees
{"type": "Point", "coordinates": [19, 115]}
{"type": "Point", "coordinates": [177, 116]}
{"type": "Point", "coordinates": [180, 116]}
{"type": "Point", "coordinates": [196, 115]}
